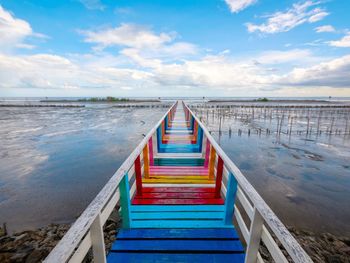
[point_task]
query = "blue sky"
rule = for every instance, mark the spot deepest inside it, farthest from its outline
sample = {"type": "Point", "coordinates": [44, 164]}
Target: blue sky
{"type": "Point", "coordinates": [174, 48]}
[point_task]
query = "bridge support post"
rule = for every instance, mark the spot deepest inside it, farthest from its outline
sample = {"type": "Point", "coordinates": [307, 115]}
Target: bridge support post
{"type": "Point", "coordinates": [254, 237]}
{"type": "Point", "coordinates": [97, 240]}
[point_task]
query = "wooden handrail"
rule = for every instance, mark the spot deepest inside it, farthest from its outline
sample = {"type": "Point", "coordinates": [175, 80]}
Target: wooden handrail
{"type": "Point", "coordinates": [293, 248]}
{"type": "Point", "coordinates": [66, 246]}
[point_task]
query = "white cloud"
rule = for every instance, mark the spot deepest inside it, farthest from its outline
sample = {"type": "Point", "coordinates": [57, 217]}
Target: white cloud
{"type": "Point", "coordinates": [298, 14]}
{"type": "Point", "coordinates": [326, 28]}
{"type": "Point", "coordinates": [278, 56]}
{"type": "Point", "coordinates": [140, 44]}
{"type": "Point", "coordinates": [45, 71]}
{"type": "Point", "coordinates": [334, 73]}
{"type": "Point", "coordinates": [127, 35]}
{"type": "Point", "coordinates": [238, 5]}
{"type": "Point", "coordinates": [343, 42]}
{"type": "Point", "coordinates": [93, 4]}
{"type": "Point", "coordinates": [12, 30]}
{"type": "Point", "coordinates": [215, 74]}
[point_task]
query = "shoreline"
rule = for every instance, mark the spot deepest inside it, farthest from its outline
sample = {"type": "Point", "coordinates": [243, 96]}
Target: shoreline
{"type": "Point", "coordinates": [34, 245]}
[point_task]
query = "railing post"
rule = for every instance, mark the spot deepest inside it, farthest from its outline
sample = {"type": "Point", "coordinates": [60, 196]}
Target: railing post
{"type": "Point", "coordinates": [145, 161]}
{"type": "Point", "coordinates": [138, 176]}
{"type": "Point", "coordinates": [124, 189]}
{"type": "Point", "coordinates": [230, 198]}
{"type": "Point", "coordinates": [219, 170]}
{"type": "Point", "coordinates": [97, 240]}
{"type": "Point", "coordinates": [212, 162]}
{"type": "Point", "coordinates": [254, 237]}
{"type": "Point", "coordinates": [207, 152]}
{"type": "Point", "coordinates": [151, 151]}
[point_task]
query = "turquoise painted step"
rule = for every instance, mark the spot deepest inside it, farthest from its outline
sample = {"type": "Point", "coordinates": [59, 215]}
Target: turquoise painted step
{"type": "Point", "coordinates": [178, 162]}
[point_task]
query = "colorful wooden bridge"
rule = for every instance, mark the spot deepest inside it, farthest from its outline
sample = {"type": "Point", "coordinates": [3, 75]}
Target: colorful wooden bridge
{"type": "Point", "coordinates": [181, 200]}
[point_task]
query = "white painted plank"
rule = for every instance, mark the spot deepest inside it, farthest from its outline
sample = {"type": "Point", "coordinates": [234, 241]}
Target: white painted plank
{"type": "Point", "coordinates": [82, 249]}
{"type": "Point", "coordinates": [245, 203]}
{"type": "Point", "coordinates": [272, 247]}
{"type": "Point", "coordinates": [109, 207]}
{"type": "Point", "coordinates": [242, 226]}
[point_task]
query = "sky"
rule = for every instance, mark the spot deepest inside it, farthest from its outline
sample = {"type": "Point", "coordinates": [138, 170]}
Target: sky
{"type": "Point", "coordinates": [144, 48]}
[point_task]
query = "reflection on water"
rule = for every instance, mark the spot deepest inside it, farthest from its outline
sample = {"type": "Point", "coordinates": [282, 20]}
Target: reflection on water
{"type": "Point", "coordinates": [53, 161]}
{"type": "Point", "coordinates": [305, 178]}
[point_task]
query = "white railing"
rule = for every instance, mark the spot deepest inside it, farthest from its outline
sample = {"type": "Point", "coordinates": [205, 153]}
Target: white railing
{"type": "Point", "coordinates": [260, 215]}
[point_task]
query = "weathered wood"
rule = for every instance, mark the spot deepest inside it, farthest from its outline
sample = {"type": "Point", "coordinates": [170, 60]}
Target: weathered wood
{"type": "Point", "coordinates": [82, 250]}
{"type": "Point", "coordinates": [97, 241]}
{"type": "Point", "coordinates": [272, 247]}
{"type": "Point", "coordinates": [253, 243]}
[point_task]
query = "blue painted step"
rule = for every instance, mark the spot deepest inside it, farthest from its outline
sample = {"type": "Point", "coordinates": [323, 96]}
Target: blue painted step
{"type": "Point", "coordinates": [177, 245]}
{"type": "Point", "coordinates": [173, 258]}
{"type": "Point", "coordinates": [167, 233]}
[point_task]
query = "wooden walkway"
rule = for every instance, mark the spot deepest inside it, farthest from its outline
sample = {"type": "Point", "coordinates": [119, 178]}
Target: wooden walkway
{"type": "Point", "coordinates": [178, 213]}
{"type": "Point", "coordinates": [179, 195]}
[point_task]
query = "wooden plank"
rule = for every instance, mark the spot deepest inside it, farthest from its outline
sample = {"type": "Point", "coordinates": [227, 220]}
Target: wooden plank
{"type": "Point", "coordinates": [272, 247]}
{"type": "Point", "coordinates": [179, 189]}
{"type": "Point", "coordinates": [177, 215]}
{"type": "Point", "coordinates": [82, 249]}
{"type": "Point", "coordinates": [212, 201]}
{"type": "Point", "coordinates": [172, 208]}
{"type": "Point", "coordinates": [241, 225]}
{"type": "Point", "coordinates": [107, 210]}
{"type": "Point", "coordinates": [180, 185]}
{"type": "Point", "coordinates": [177, 223]}
{"type": "Point", "coordinates": [173, 246]}
{"type": "Point", "coordinates": [173, 258]}
{"type": "Point", "coordinates": [253, 243]}
{"type": "Point", "coordinates": [97, 241]}
{"type": "Point", "coordinates": [245, 203]}
{"type": "Point", "coordinates": [179, 161]}
{"type": "Point", "coordinates": [178, 180]}
{"type": "Point", "coordinates": [177, 195]}
{"type": "Point", "coordinates": [166, 233]}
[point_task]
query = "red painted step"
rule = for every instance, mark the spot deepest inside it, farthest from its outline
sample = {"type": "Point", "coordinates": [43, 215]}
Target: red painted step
{"type": "Point", "coordinates": [212, 201]}
{"type": "Point", "coordinates": [177, 195]}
